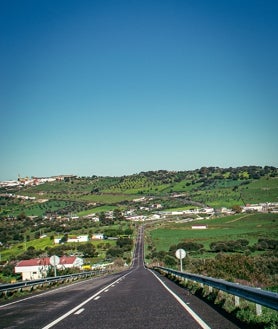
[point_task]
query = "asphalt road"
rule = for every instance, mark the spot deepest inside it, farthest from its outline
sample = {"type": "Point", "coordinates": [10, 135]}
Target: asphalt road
{"type": "Point", "coordinates": [136, 298]}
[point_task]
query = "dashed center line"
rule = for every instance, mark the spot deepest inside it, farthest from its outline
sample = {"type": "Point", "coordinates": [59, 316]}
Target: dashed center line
{"type": "Point", "coordinates": [79, 311]}
{"type": "Point", "coordinates": [77, 308]}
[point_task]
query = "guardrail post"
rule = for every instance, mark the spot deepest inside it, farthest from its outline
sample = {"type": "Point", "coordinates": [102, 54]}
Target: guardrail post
{"type": "Point", "coordinates": [260, 298]}
{"type": "Point", "coordinates": [258, 308]}
{"type": "Point", "coordinates": [237, 301]}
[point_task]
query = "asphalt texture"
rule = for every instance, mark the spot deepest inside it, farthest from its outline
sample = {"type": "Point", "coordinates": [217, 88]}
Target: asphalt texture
{"type": "Point", "coordinates": [136, 298]}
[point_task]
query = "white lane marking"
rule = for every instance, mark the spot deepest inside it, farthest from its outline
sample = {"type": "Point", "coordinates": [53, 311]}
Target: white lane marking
{"type": "Point", "coordinates": [106, 290]}
{"type": "Point", "coordinates": [79, 311]}
{"type": "Point", "coordinates": [43, 293]}
{"type": "Point", "coordinates": [51, 324]}
{"type": "Point", "coordinates": [183, 304]}
{"type": "Point", "coordinates": [98, 297]}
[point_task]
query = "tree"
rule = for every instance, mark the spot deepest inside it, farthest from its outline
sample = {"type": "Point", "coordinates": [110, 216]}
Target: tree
{"type": "Point", "coordinates": [87, 249]}
{"type": "Point", "coordinates": [237, 209]}
{"type": "Point", "coordinates": [128, 231]}
{"type": "Point", "coordinates": [64, 239]}
{"type": "Point", "coordinates": [30, 253]}
{"type": "Point", "coordinates": [105, 220]}
{"type": "Point", "coordinates": [219, 246]}
{"type": "Point", "coordinates": [125, 243]}
{"type": "Point", "coordinates": [117, 215]}
{"type": "Point", "coordinates": [8, 270]}
{"type": "Point", "coordinates": [170, 261]}
{"type": "Point", "coordinates": [190, 246]}
{"type": "Point", "coordinates": [17, 236]}
{"type": "Point", "coordinates": [21, 216]}
{"type": "Point", "coordinates": [114, 252]}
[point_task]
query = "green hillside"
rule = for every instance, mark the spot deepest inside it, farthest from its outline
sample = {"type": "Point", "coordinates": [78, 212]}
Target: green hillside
{"type": "Point", "coordinates": [213, 186]}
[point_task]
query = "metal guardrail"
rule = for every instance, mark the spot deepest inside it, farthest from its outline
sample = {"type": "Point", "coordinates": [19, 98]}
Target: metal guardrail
{"type": "Point", "coordinates": [256, 295]}
{"type": "Point", "coordinates": [32, 283]}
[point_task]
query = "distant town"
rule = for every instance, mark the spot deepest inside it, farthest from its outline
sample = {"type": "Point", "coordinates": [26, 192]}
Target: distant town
{"type": "Point", "coordinates": [33, 181]}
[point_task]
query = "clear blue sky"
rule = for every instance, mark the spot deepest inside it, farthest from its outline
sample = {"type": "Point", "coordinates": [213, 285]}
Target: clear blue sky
{"type": "Point", "coordinates": [117, 87]}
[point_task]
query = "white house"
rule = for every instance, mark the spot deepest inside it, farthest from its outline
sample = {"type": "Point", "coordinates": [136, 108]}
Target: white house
{"type": "Point", "coordinates": [57, 240]}
{"type": "Point", "coordinates": [139, 199]}
{"type": "Point", "coordinates": [207, 210]}
{"type": "Point", "coordinates": [177, 213]}
{"type": "Point", "coordinates": [97, 236]}
{"type": "Point", "coordinates": [37, 268]}
{"type": "Point", "coordinates": [253, 207]}
{"type": "Point", "coordinates": [73, 238]}
{"type": "Point", "coordinates": [199, 227]}
{"type": "Point", "coordinates": [155, 216]}
{"type": "Point", "coordinates": [79, 238]}
{"type": "Point", "coordinates": [136, 218]}
{"type": "Point", "coordinates": [93, 217]}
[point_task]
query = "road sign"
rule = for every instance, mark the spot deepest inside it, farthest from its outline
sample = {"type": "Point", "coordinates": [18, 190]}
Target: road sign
{"type": "Point", "coordinates": [180, 253]}
{"type": "Point", "coordinates": [54, 260]}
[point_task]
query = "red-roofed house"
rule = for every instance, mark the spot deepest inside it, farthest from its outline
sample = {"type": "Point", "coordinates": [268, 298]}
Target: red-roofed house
{"type": "Point", "coordinates": [37, 268]}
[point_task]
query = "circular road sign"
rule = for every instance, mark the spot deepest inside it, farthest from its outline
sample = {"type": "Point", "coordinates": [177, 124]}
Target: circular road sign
{"type": "Point", "coordinates": [54, 260]}
{"type": "Point", "coordinates": [180, 253]}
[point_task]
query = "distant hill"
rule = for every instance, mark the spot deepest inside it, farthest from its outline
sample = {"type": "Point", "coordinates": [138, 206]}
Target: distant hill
{"type": "Point", "coordinates": [212, 186]}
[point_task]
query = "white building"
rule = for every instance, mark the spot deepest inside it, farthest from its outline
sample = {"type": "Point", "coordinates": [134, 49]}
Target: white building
{"type": "Point", "coordinates": [199, 227]}
{"type": "Point", "coordinates": [73, 238]}
{"type": "Point", "coordinates": [79, 238]}
{"type": "Point", "coordinates": [37, 268]}
{"type": "Point", "coordinates": [97, 236]}
{"type": "Point", "coordinates": [253, 207]}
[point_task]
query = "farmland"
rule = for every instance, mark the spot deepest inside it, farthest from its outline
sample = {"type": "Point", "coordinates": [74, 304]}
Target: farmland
{"type": "Point", "coordinates": [211, 186]}
{"type": "Point", "coordinates": [241, 226]}
{"type": "Point", "coordinates": [241, 248]}
{"type": "Point", "coordinates": [70, 206]}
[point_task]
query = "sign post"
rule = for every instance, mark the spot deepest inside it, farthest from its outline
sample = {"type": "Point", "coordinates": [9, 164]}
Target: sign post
{"type": "Point", "coordinates": [180, 254]}
{"type": "Point", "coordinates": [54, 261]}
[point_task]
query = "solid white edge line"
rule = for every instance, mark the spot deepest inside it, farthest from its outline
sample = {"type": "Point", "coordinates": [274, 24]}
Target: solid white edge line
{"type": "Point", "coordinates": [39, 295]}
{"type": "Point", "coordinates": [187, 308]}
{"type": "Point", "coordinates": [51, 324]}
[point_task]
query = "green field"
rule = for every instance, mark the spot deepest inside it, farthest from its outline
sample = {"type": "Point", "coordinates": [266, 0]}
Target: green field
{"type": "Point", "coordinates": [19, 248]}
{"type": "Point", "coordinates": [242, 226]}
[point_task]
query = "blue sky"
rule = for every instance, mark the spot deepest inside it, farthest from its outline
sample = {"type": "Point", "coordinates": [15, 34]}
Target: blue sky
{"type": "Point", "coordinates": [117, 87]}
